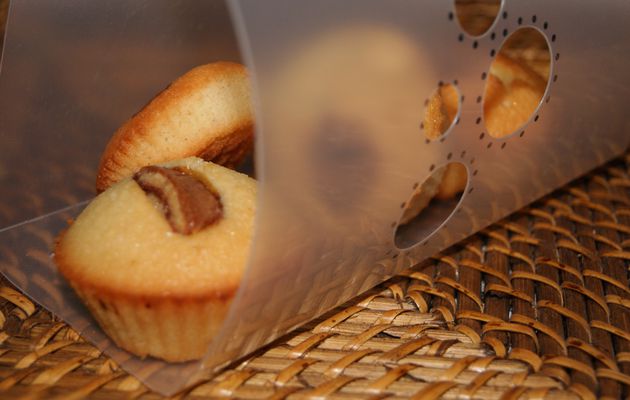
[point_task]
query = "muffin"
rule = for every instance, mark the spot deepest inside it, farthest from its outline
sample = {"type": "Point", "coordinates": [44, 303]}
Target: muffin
{"type": "Point", "coordinates": [158, 257]}
{"type": "Point", "coordinates": [206, 113]}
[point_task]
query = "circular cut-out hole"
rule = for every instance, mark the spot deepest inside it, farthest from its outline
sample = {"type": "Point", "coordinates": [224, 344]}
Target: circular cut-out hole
{"type": "Point", "coordinates": [431, 205]}
{"type": "Point", "coordinates": [516, 82]}
{"type": "Point", "coordinates": [441, 111]}
{"type": "Point", "coordinates": [477, 16]}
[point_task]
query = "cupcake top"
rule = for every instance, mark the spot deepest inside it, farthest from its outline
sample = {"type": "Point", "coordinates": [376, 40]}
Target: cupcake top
{"type": "Point", "coordinates": [179, 230]}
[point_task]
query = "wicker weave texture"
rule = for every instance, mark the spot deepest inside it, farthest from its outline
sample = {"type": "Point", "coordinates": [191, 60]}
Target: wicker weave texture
{"type": "Point", "coordinates": [536, 306]}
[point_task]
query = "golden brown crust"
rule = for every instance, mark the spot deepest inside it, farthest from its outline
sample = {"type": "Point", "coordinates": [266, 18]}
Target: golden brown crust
{"type": "Point", "coordinates": [441, 111]}
{"type": "Point", "coordinates": [453, 182]}
{"type": "Point", "coordinates": [512, 94]}
{"type": "Point", "coordinates": [205, 111]}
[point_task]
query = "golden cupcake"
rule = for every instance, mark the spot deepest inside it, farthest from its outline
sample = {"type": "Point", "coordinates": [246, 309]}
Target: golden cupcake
{"type": "Point", "coordinates": [158, 257]}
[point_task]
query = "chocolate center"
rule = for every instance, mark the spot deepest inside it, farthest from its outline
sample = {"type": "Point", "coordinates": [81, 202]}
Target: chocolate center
{"type": "Point", "coordinates": [187, 203]}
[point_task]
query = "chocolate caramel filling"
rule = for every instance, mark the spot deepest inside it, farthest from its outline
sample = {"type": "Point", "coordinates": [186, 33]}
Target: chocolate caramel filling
{"type": "Point", "coordinates": [188, 204]}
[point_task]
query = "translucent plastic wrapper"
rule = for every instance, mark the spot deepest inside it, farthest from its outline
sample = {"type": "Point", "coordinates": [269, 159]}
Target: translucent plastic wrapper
{"type": "Point", "coordinates": [340, 90]}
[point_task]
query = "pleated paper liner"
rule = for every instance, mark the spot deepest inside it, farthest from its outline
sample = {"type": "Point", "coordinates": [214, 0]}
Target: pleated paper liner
{"type": "Point", "coordinates": [537, 305]}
